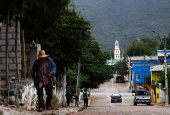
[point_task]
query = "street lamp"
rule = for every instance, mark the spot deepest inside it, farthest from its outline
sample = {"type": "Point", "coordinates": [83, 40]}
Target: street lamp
{"type": "Point", "coordinates": [166, 80]}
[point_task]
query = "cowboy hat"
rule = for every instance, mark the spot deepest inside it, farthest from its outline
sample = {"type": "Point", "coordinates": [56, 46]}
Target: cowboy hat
{"type": "Point", "coordinates": [42, 54]}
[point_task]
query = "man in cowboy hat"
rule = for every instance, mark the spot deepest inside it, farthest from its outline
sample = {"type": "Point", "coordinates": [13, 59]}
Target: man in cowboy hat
{"type": "Point", "coordinates": [43, 68]}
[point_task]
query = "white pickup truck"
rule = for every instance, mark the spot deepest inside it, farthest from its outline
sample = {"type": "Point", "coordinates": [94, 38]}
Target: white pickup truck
{"type": "Point", "coordinates": [142, 96]}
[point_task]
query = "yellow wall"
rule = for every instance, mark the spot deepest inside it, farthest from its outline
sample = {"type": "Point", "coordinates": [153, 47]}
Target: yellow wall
{"type": "Point", "coordinates": [153, 96]}
{"type": "Point", "coordinates": [157, 95]}
{"type": "Point", "coordinates": [154, 77]}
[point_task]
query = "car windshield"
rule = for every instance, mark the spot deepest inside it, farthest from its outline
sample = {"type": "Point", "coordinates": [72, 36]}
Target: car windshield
{"type": "Point", "coordinates": [115, 97]}
{"type": "Point", "coordinates": [141, 92]}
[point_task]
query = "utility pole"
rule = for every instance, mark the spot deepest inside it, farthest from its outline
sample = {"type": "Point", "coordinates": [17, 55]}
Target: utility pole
{"type": "Point", "coordinates": [64, 87]}
{"type": "Point", "coordinates": [144, 71]}
{"type": "Point", "coordinates": [23, 56]}
{"type": "Point", "coordinates": [16, 51]}
{"type": "Point", "coordinates": [130, 72]}
{"type": "Point", "coordinates": [7, 65]}
{"type": "Point", "coordinates": [166, 79]}
{"type": "Point", "coordinates": [78, 80]}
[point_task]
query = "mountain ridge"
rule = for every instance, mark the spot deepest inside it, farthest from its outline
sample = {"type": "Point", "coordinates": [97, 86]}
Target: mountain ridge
{"type": "Point", "coordinates": [125, 20]}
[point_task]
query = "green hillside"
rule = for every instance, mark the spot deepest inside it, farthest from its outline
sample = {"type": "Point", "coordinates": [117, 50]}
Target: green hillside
{"type": "Point", "coordinates": [125, 20]}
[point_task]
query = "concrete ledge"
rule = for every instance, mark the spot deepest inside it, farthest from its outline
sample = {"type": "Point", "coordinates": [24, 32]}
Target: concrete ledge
{"type": "Point", "coordinates": [8, 111]}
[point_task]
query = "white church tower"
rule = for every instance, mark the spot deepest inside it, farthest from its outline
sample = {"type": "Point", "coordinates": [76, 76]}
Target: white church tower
{"type": "Point", "coordinates": [117, 51]}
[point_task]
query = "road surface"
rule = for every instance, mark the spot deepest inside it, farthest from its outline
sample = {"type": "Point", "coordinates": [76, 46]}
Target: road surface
{"type": "Point", "coordinates": [101, 102]}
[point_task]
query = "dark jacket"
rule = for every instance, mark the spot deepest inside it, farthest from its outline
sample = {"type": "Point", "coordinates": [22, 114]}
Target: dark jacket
{"type": "Point", "coordinates": [76, 98]}
{"type": "Point", "coordinates": [36, 71]}
{"type": "Point", "coordinates": [68, 94]}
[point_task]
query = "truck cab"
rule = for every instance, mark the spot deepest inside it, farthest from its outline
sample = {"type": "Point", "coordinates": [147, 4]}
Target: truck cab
{"type": "Point", "coordinates": [142, 96]}
{"type": "Point", "coordinates": [120, 79]}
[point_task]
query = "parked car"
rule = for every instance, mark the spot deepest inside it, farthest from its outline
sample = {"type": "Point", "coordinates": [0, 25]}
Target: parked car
{"type": "Point", "coordinates": [120, 79]}
{"type": "Point", "coordinates": [142, 96]}
{"type": "Point", "coordinates": [116, 98]}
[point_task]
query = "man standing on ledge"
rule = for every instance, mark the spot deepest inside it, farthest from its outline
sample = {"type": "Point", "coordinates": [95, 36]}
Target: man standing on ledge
{"type": "Point", "coordinates": [42, 70]}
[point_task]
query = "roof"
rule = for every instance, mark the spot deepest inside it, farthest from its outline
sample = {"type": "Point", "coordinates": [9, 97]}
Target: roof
{"type": "Point", "coordinates": [161, 52]}
{"type": "Point", "coordinates": [141, 58]}
{"type": "Point", "coordinates": [158, 67]}
{"type": "Point", "coordinates": [110, 62]}
{"type": "Point", "coordinates": [116, 42]}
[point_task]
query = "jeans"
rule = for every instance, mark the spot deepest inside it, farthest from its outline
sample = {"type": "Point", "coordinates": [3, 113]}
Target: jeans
{"type": "Point", "coordinates": [85, 102]}
{"type": "Point", "coordinates": [68, 101]}
{"type": "Point", "coordinates": [76, 103]}
{"type": "Point", "coordinates": [48, 90]}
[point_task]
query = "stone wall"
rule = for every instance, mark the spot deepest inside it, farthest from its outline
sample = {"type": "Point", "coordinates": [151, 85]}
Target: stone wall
{"type": "Point", "coordinates": [27, 95]}
{"type": "Point", "coordinates": [31, 52]}
{"type": "Point", "coordinates": [11, 49]}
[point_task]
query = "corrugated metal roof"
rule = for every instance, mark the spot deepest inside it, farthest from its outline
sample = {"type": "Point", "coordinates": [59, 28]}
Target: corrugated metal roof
{"type": "Point", "coordinates": [141, 58]}
{"type": "Point", "coordinates": [158, 67]}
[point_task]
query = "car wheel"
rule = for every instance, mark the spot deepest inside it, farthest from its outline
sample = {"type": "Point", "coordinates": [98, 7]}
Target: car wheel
{"type": "Point", "coordinates": [135, 103]}
{"type": "Point", "coordinates": [111, 102]}
{"type": "Point", "coordinates": [148, 103]}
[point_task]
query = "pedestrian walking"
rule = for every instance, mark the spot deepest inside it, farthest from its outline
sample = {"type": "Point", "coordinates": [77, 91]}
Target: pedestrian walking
{"type": "Point", "coordinates": [42, 70]}
{"type": "Point", "coordinates": [68, 96]}
{"type": "Point", "coordinates": [76, 100]}
{"type": "Point", "coordinates": [85, 98]}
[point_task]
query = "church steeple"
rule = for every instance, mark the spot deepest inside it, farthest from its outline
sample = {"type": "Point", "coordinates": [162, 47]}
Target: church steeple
{"type": "Point", "coordinates": [116, 44]}
{"type": "Point", "coordinates": [117, 51]}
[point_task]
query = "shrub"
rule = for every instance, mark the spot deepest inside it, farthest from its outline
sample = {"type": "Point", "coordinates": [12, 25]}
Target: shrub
{"type": "Point", "coordinates": [54, 103]}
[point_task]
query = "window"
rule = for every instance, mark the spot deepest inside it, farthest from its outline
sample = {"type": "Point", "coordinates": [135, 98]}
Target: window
{"type": "Point", "coordinates": [137, 76]}
{"type": "Point", "coordinates": [141, 92]}
{"type": "Point", "coordinates": [157, 95]}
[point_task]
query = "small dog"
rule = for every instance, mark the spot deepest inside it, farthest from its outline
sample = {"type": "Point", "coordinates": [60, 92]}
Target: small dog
{"type": "Point", "coordinates": [163, 104]}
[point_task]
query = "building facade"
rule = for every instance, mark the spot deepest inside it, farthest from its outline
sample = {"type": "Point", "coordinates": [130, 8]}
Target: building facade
{"type": "Point", "coordinates": [11, 49]}
{"type": "Point", "coordinates": [161, 55]}
{"type": "Point", "coordinates": [117, 53]}
{"type": "Point", "coordinates": [138, 72]}
{"type": "Point", "coordinates": [136, 69]}
{"type": "Point", "coordinates": [157, 94]}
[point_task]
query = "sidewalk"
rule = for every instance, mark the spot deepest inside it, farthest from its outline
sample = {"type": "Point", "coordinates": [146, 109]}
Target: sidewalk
{"type": "Point", "coordinates": [72, 108]}
{"type": "Point", "coordinates": [6, 110]}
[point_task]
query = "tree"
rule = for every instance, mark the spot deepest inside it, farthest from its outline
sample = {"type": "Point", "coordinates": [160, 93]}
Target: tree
{"type": "Point", "coordinates": [67, 37]}
{"type": "Point", "coordinates": [93, 67]}
{"type": "Point", "coordinates": [71, 74]}
{"type": "Point", "coordinates": [109, 54]}
{"type": "Point", "coordinates": [167, 42]}
{"type": "Point", "coordinates": [152, 43]}
{"type": "Point", "coordinates": [36, 16]}
{"type": "Point", "coordinates": [162, 78]}
{"type": "Point", "coordinates": [40, 16]}
{"type": "Point", "coordinates": [148, 79]}
{"type": "Point", "coordinates": [121, 67]}
{"type": "Point", "coordinates": [139, 48]}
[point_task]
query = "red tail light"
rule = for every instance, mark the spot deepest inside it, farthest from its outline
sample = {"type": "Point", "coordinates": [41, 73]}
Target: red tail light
{"type": "Point", "coordinates": [119, 97]}
{"type": "Point", "coordinates": [111, 97]}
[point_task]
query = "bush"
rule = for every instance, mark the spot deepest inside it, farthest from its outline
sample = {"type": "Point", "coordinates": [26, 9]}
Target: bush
{"type": "Point", "coordinates": [54, 102]}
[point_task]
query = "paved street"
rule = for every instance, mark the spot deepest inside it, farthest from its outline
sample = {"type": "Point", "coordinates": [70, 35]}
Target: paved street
{"type": "Point", "coordinates": [101, 102]}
